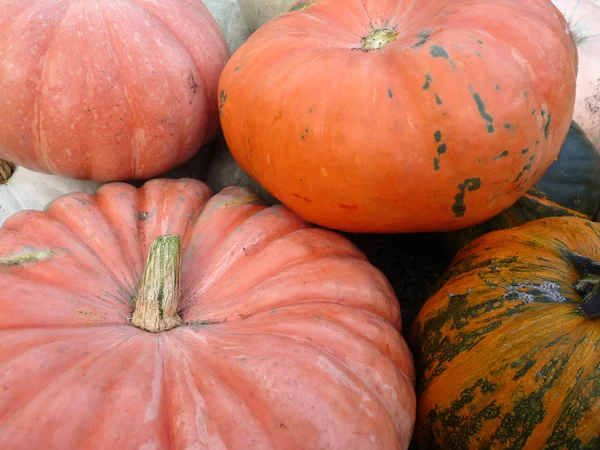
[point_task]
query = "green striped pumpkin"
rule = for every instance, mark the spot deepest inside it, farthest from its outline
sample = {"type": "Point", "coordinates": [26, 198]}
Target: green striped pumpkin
{"type": "Point", "coordinates": [508, 349]}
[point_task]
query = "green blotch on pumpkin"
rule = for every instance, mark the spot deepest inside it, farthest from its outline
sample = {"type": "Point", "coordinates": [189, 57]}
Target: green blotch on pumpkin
{"type": "Point", "coordinates": [524, 151]}
{"type": "Point", "coordinates": [581, 396]}
{"type": "Point", "coordinates": [501, 155]}
{"type": "Point", "coordinates": [463, 426]}
{"type": "Point", "coordinates": [441, 149]}
{"type": "Point", "coordinates": [507, 126]}
{"type": "Point", "coordinates": [438, 100]}
{"type": "Point", "coordinates": [478, 54]}
{"type": "Point", "coordinates": [422, 37]}
{"type": "Point", "coordinates": [222, 100]}
{"type": "Point", "coordinates": [532, 112]}
{"type": "Point", "coordinates": [437, 136]}
{"type": "Point", "coordinates": [302, 5]}
{"type": "Point", "coordinates": [470, 184]}
{"type": "Point", "coordinates": [440, 52]}
{"type": "Point", "coordinates": [435, 349]}
{"type": "Point", "coordinates": [390, 93]}
{"type": "Point", "coordinates": [524, 369]}
{"type": "Point", "coordinates": [26, 258]}
{"type": "Point", "coordinates": [497, 87]}
{"type": "Point", "coordinates": [526, 168]}
{"type": "Point", "coordinates": [428, 81]}
{"type": "Point", "coordinates": [547, 126]}
{"type": "Point", "coordinates": [481, 107]}
{"type": "Point", "coordinates": [436, 163]}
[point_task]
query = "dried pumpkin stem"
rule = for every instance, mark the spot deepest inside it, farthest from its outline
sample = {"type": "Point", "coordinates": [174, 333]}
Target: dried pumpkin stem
{"type": "Point", "coordinates": [377, 39]}
{"type": "Point", "coordinates": [159, 293]}
{"type": "Point", "coordinates": [588, 287]}
{"type": "Point", "coordinates": [6, 171]}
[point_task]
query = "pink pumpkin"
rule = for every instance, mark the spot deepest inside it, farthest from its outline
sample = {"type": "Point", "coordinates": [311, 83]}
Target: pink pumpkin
{"type": "Point", "coordinates": [107, 90]}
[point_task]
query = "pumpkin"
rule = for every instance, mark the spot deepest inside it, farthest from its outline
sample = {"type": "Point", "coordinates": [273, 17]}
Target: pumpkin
{"type": "Point", "coordinates": [223, 171]}
{"type": "Point", "coordinates": [107, 90]}
{"type": "Point", "coordinates": [570, 187]}
{"type": "Point", "coordinates": [23, 189]}
{"type": "Point", "coordinates": [584, 21]}
{"type": "Point", "coordinates": [401, 116]}
{"type": "Point", "coordinates": [257, 12]}
{"type": "Point", "coordinates": [228, 15]}
{"type": "Point", "coordinates": [507, 349]}
{"type": "Point", "coordinates": [245, 327]}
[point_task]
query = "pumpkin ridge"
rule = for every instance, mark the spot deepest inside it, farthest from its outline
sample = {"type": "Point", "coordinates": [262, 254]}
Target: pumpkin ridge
{"type": "Point", "coordinates": [348, 371]}
{"type": "Point", "coordinates": [39, 148]}
{"type": "Point", "coordinates": [340, 365]}
{"type": "Point", "coordinates": [216, 375]}
{"type": "Point", "coordinates": [67, 374]}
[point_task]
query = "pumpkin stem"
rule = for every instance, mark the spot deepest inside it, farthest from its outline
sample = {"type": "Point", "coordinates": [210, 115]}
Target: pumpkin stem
{"type": "Point", "coordinates": [158, 296]}
{"type": "Point", "coordinates": [6, 171]}
{"type": "Point", "coordinates": [377, 39]}
{"type": "Point", "coordinates": [588, 287]}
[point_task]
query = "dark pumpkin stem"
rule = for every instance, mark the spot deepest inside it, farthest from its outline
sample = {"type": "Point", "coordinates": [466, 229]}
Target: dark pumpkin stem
{"type": "Point", "coordinates": [159, 293]}
{"type": "Point", "coordinates": [6, 171]}
{"type": "Point", "coordinates": [588, 287]}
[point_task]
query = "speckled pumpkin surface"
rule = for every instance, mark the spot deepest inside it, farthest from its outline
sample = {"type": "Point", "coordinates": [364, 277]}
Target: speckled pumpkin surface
{"type": "Point", "coordinates": [401, 116]}
{"type": "Point", "coordinates": [508, 349]}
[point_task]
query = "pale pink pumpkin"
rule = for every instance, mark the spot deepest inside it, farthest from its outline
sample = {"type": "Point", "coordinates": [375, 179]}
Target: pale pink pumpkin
{"type": "Point", "coordinates": [288, 339]}
{"type": "Point", "coordinates": [107, 90]}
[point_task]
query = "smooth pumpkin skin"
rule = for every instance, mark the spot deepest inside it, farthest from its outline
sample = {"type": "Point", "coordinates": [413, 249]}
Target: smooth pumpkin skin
{"type": "Point", "coordinates": [111, 90]}
{"type": "Point", "coordinates": [407, 137]}
{"type": "Point", "coordinates": [583, 17]}
{"type": "Point", "coordinates": [570, 187]}
{"type": "Point", "coordinates": [505, 359]}
{"type": "Point", "coordinates": [291, 339]}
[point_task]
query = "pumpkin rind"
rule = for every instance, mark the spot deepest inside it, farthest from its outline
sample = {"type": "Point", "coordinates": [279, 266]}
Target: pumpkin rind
{"type": "Point", "coordinates": [423, 133]}
{"type": "Point", "coordinates": [570, 187]}
{"type": "Point", "coordinates": [290, 338]}
{"type": "Point", "coordinates": [107, 91]}
{"type": "Point", "coordinates": [505, 357]}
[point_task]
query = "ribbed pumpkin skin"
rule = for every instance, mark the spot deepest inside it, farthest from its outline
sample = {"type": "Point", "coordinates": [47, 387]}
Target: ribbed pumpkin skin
{"type": "Point", "coordinates": [107, 90]}
{"type": "Point", "coordinates": [424, 134]}
{"type": "Point", "coordinates": [290, 337]}
{"type": "Point", "coordinates": [505, 359]}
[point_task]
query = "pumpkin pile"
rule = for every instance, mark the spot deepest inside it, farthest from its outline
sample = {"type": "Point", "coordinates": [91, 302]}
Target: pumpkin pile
{"type": "Point", "coordinates": [300, 224]}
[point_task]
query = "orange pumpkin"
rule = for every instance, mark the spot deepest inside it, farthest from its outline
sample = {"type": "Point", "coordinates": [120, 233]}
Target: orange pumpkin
{"type": "Point", "coordinates": [508, 349]}
{"type": "Point", "coordinates": [274, 334]}
{"type": "Point", "coordinates": [395, 116]}
{"type": "Point", "coordinates": [110, 90]}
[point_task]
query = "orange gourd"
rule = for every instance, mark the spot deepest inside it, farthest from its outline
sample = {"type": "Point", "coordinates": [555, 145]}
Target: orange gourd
{"type": "Point", "coordinates": [107, 90]}
{"type": "Point", "coordinates": [401, 116]}
{"type": "Point", "coordinates": [245, 328]}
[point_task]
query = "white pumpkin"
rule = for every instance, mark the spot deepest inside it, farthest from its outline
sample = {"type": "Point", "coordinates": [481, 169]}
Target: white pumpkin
{"type": "Point", "coordinates": [257, 12]}
{"type": "Point", "coordinates": [228, 15]}
{"type": "Point", "coordinates": [583, 17]}
{"type": "Point", "coordinates": [25, 189]}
